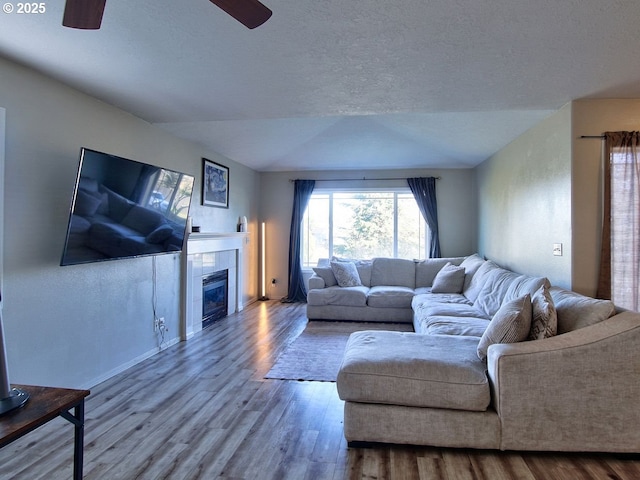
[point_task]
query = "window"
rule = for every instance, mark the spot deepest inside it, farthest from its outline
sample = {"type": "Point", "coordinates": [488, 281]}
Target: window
{"type": "Point", "coordinates": [363, 224]}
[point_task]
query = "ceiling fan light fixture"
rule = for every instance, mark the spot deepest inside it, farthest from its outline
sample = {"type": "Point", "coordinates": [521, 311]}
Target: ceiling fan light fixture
{"type": "Point", "coordinates": [87, 14]}
{"type": "Point", "coordinates": [83, 14]}
{"type": "Point", "coordinates": [251, 13]}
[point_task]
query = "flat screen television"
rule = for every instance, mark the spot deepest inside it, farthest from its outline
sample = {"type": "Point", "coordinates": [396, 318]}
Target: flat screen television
{"type": "Point", "coordinates": [122, 208]}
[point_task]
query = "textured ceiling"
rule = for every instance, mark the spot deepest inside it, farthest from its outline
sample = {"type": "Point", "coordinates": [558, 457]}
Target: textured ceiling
{"type": "Point", "coordinates": [342, 85]}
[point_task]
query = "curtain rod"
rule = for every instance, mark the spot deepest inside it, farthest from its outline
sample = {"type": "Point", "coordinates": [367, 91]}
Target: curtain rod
{"type": "Point", "coordinates": [592, 136]}
{"type": "Point", "coordinates": [354, 179]}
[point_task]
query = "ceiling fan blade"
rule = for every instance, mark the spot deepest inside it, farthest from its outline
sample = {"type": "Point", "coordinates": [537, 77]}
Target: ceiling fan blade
{"type": "Point", "coordinates": [83, 14]}
{"type": "Point", "coordinates": [251, 13]}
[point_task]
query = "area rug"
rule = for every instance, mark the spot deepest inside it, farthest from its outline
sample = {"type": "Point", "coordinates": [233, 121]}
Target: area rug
{"type": "Point", "coordinates": [316, 354]}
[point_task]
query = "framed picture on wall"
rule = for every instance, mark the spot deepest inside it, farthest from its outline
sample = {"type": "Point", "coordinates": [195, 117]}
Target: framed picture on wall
{"type": "Point", "coordinates": [215, 184]}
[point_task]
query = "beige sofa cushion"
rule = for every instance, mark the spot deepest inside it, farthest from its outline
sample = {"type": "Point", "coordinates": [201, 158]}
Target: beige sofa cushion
{"type": "Point", "coordinates": [577, 311]}
{"type": "Point", "coordinates": [471, 265]}
{"type": "Point", "coordinates": [432, 309]}
{"type": "Point", "coordinates": [364, 270]}
{"type": "Point", "coordinates": [442, 325]}
{"type": "Point", "coordinates": [345, 296]}
{"type": "Point", "coordinates": [511, 324]}
{"type": "Point", "coordinates": [478, 279]}
{"type": "Point", "coordinates": [424, 296]}
{"type": "Point", "coordinates": [393, 272]}
{"type": "Point", "coordinates": [504, 285]}
{"type": "Point", "coordinates": [390, 297]}
{"type": "Point", "coordinates": [402, 368]}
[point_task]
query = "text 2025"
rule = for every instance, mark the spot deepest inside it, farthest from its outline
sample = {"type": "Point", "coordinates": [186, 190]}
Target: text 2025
{"type": "Point", "coordinates": [31, 7]}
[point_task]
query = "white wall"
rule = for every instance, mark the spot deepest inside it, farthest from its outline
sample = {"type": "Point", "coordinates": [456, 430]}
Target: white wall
{"type": "Point", "coordinates": [524, 201]}
{"type": "Point", "coordinates": [74, 326]}
{"type": "Point", "coordinates": [2, 143]}
{"type": "Point", "coordinates": [593, 117]}
{"type": "Point", "coordinates": [546, 187]}
{"type": "Point", "coordinates": [456, 213]}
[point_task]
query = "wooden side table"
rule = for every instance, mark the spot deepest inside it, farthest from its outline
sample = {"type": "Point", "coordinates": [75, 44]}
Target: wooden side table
{"type": "Point", "coordinates": [45, 404]}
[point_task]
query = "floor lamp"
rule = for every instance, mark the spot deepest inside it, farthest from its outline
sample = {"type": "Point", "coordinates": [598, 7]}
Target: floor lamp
{"type": "Point", "coordinates": [10, 398]}
{"type": "Point", "coordinates": [263, 277]}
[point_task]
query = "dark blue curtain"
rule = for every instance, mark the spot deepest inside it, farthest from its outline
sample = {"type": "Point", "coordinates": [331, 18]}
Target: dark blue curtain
{"type": "Point", "coordinates": [424, 191]}
{"type": "Point", "coordinates": [301, 195]}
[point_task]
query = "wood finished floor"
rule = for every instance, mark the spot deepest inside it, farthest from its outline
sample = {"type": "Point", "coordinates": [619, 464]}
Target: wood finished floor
{"type": "Point", "coordinates": [202, 410]}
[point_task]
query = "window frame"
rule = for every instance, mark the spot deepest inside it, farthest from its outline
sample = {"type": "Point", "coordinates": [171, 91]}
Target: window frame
{"type": "Point", "coordinates": [330, 192]}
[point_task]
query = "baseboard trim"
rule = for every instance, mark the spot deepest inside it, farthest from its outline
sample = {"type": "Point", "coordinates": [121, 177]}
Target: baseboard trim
{"type": "Point", "coordinates": [127, 365]}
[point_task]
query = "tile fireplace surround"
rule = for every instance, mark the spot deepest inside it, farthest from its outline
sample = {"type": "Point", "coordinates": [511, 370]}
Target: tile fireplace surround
{"type": "Point", "coordinates": [208, 253]}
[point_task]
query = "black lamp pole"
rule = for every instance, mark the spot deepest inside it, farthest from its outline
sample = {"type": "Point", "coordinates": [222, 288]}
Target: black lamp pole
{"type": "Point", "coordinates": [10, 398]}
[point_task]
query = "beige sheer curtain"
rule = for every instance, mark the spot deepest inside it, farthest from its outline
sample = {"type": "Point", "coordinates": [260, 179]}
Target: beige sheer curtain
{"type": "Point", "coordinates": [620, 259]}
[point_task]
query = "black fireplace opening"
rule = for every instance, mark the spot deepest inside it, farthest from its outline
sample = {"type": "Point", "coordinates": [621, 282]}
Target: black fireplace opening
{"type": "Point", "coordinates": [214, 297]}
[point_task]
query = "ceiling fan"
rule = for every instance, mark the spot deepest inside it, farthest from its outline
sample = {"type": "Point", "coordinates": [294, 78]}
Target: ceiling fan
{"type": "Point", "coordinates": [87, 14]}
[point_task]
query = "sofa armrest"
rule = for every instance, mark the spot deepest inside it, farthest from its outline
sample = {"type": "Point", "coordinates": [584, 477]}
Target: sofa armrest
{"type": "Point", "coordinates": [574, 392]}
{"type": "Point", "coordinates": [316, 281]}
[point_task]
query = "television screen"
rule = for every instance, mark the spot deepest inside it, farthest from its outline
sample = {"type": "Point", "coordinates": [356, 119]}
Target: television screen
{"type": "Point", "coordinates": [123, 208]}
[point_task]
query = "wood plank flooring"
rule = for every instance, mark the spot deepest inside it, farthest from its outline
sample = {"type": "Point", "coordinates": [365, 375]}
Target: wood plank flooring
{"type": "Point", "coordinates": [201, 410]}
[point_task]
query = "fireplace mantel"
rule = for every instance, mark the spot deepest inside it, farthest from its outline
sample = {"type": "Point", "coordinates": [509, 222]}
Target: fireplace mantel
{"type": "Point", "coordinates": [214, 242]}
{"type": "Point", "coordinates": [207, 253]}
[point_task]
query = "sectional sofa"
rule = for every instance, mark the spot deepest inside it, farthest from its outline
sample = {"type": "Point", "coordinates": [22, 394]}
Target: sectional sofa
{"type": "Point", "coordinates": [380, 290]}
{"type": "Point", "coordinates": [498, 360]}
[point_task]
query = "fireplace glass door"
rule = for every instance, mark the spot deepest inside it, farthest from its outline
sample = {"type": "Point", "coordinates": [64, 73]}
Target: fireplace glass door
{"type": "Point", "coordinates": [214, 297]}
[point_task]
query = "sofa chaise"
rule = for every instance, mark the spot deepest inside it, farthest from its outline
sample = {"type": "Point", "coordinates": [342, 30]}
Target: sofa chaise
{"type": "Point", "coordinates": [502, 361]}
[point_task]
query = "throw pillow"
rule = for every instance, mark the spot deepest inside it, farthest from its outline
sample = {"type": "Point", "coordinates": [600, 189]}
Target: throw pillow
{"type": "Point", "coordinates": [510, 324]}
{"type": "Point", "coordinates": [364, 268]}
{"type": "Point", "coordinates": [544, 319]}
{"type": "Point", "coordinates": [471, 265]}
{"type": "Point", "coordinates": [346, 274]}
{"type": "Point", "coordinates": [450, 279]}
{"type": "Point", "coordinates": [327, 275]}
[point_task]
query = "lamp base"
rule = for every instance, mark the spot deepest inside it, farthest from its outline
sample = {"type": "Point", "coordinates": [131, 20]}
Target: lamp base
{"type": "Point", "coordinates": [16, 399]}
{"type": "Point", "coordinates": [263, 298]}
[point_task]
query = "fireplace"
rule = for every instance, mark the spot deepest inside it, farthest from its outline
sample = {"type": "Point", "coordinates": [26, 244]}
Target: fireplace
{"type": "Point", "coordinates": [208, 253]}
{"type": "Point", "coordinates": [214, 297]}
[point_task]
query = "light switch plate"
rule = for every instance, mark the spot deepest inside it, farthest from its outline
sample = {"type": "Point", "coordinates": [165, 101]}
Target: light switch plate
{"type": "Point", "coordinates": [557, 249]}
